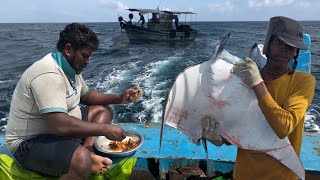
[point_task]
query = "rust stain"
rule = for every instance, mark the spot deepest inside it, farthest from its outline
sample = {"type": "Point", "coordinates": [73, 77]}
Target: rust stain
{"type": "Point", "coordinates": [190, 171]}
{"type": "Point", "coordinates": [187, 166]}
{"type": "Point", "coordinates": [318, 150]}
{"type": "Point", "coordinates": [147, 125]}
{"type": "Point", "coordinates": [144, 152]}
{"type": "Point", "coordinates": [307, 133]}
{"type": "Point", "coordinates": [311, 134]}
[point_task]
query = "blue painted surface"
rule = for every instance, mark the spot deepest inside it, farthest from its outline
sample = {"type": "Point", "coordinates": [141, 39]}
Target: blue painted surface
{"type": "Point", "coordinates": [310, 152]}
{"type": "Point", "coordinates": [178, 151]}
{"type": "Point", "coordinates": [3, 147]}
{"type": "Point", "coordinates": [304, 58]}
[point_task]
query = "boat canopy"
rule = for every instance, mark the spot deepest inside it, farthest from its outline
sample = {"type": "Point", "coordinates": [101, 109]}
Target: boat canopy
{"type": "Point", "coordinates": [145, 11]}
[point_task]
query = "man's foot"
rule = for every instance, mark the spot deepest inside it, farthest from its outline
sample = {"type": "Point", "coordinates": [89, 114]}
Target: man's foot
{"type": "Point", "coordinates": [99, 163]}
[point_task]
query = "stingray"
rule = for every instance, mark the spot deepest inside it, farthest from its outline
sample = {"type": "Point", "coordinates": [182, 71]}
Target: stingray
{"type": "Point", "coordinates": [210, 90]}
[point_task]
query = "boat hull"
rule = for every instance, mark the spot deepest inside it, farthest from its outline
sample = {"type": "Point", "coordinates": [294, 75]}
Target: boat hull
{"type": "Point", "coordinates": [178, 151]}
{"type": "Point", "coordinates": [137, 33]}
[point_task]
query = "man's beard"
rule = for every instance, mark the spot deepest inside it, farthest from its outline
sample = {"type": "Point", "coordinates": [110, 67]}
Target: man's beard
{"type": "Point", "coordinates": [76, 67]}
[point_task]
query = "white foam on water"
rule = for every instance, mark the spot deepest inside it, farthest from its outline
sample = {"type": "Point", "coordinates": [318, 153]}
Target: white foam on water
{"type": "Point", "coordinates": [2, 128]}
{"type": "Point", "coordinates": [112, 82]}
{"type": "Point", "coordinates": [310, 121]}
{"type": "Point", "coordinates": [3, 119]}
{"type": "Point", "coordinates": [149, 80]}
{"type": "Point", "coordinates": [155, 88]}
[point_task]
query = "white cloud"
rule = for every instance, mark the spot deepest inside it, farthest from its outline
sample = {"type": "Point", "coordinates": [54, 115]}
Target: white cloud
{"type": "Point", "coordinates": [114, 5]}
{"type": "Point", "coordinates": [269, 3]}
{"type": "Point", "coordinates": [303, 5]}
{"type": "Point", "coordinates": [191, 9]}
{"type": "Point", "coordinates": [227, 6]}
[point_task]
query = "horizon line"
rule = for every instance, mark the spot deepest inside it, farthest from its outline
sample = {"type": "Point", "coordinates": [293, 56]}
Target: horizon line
{"type": "Point", "coordinates": [117, 21]}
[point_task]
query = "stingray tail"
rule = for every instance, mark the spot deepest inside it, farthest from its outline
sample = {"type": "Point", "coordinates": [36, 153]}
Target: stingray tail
{"type": "Point", "coordinates": [289, 158]}
{"type": "Point", "coordinates": [161, 133]}
{"type": "Point", "coordinates": [204, 143]}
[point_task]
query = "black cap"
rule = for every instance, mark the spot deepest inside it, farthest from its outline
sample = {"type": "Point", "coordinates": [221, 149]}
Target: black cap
{"type": "Point", "coordinates": [286, 29]}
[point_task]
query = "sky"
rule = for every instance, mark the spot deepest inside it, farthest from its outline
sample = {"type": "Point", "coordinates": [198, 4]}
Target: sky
{"type": "Point", "coordinates": [55, 11]}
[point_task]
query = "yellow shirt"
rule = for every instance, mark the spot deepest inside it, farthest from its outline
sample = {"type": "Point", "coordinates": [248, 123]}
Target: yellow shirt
{"type": "Point", "coordinates": [284, 107]}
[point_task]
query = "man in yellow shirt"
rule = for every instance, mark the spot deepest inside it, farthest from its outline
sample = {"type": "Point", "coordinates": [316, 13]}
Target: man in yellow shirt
{"type": "Point", "coordinates": [283, 93]}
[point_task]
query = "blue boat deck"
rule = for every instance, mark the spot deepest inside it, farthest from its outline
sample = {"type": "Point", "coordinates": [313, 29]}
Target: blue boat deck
{"type": "Point", "coordinates": [178, 151]}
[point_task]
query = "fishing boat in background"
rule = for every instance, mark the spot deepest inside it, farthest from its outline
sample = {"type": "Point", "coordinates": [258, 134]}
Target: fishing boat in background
{"type": "Point", "coordinates": [160, 25]}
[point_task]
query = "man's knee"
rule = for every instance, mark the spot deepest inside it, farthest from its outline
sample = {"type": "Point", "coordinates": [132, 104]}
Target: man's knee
{"type": "Point", "coordinates": [110, 110]}
{"type": "Point", "coordinates": [107, 110]}
{"type": "Point", "coordinates": [81, 162]}
{"type": "Point", "coordinates": [100, 114]}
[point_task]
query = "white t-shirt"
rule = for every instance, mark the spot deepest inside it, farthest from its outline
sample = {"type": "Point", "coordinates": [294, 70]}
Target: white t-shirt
{"type": "Point", "coordinates": [48, 85]}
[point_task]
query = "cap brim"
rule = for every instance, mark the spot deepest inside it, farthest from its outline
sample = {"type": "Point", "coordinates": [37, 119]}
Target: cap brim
{"type": "Point", "coordinates": [294, 43]}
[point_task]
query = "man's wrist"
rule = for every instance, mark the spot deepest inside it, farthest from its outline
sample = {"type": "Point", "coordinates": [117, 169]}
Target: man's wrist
{"type": "Point", "coordinates": [260, 90]}
{"type": "Point", "coordinates": [257, 84]}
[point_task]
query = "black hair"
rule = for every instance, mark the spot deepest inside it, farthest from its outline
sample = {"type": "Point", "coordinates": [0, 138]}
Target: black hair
{"type": "Point", "coordinates": [79, 36]}
{"type": "Point", "coordinates": [295, 63]}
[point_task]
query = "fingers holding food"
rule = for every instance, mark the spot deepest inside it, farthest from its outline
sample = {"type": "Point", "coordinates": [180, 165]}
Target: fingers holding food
{"type": "Point", "coordinates": [136, 93]}
{"type": "Point", "coordinates": [115, 132]}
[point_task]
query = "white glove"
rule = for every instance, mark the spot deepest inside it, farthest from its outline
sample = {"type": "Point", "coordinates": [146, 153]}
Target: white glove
{"type": "Point", "coordinates": [211, 131]}
{"type": "Point", "coordinates": [248, 72]}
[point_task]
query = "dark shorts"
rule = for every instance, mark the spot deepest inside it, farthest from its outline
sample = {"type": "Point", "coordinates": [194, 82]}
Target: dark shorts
{"type": "Point", "coordinates": [47, 154]}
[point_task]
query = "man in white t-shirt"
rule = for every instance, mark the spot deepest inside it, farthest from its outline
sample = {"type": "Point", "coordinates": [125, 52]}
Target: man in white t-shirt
{"type": "Point", "coordinates": [47, 131]}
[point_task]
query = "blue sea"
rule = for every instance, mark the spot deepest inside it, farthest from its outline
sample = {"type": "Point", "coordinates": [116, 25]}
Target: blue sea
{"type": "Point", "coordinates": [118, 64]}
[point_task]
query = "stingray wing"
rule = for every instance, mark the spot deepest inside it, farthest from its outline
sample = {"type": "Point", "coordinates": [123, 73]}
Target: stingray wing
{"type": "Point", "coordinates": [180, 108]}
{"type": "Point", "coordinates": [209, 89]}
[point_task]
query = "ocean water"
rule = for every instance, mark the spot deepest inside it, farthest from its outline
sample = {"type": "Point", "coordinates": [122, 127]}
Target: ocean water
{"type": "Point", "coordinates": [118, 64]}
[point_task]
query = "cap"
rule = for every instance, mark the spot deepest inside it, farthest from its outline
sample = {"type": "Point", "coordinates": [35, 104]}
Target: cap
{"type": "Point", "coordinates": [286, 29]}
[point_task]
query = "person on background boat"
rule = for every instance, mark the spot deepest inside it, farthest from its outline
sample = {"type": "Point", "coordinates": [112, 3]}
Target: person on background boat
{"type": "Point", "coordinates": [130, 18]}
{"type": "Point", "coordinates": [155, 18]}
{"type": "Point", "coordinates": [284, 95]}
{"type": "Point", "coordinates": [47, 131]}
{"type": "Point", "coordinates": [141, 19]}
{"type": "Point", "coordinates": [176, 21]}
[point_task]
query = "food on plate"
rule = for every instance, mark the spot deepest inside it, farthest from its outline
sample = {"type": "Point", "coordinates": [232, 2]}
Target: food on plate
{"type": "Point", "coordinates": [124, 145]}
